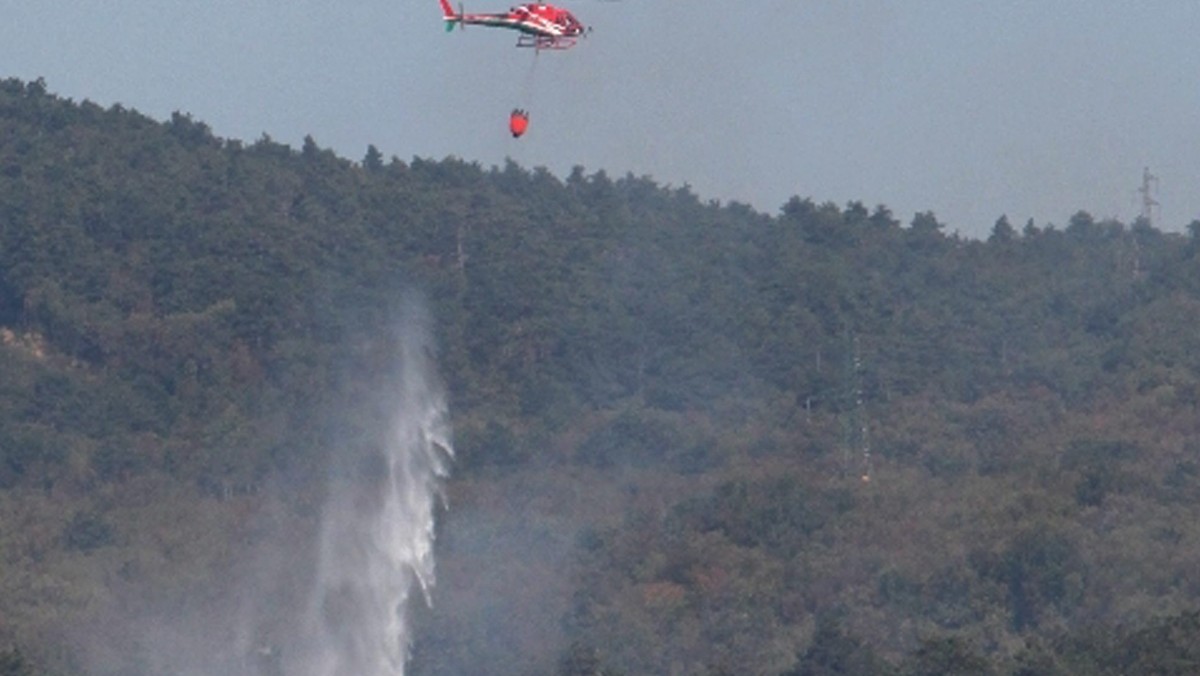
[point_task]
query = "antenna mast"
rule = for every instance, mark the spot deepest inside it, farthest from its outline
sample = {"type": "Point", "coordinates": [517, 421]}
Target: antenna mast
{"type": "Point", "coordinates": [1149, 204]}
{"type": "Point", "coordinates": [857, 437]}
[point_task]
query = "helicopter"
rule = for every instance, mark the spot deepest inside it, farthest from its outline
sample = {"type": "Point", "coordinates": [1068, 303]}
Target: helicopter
{"type": "Point", "coordinates": [541, 26]}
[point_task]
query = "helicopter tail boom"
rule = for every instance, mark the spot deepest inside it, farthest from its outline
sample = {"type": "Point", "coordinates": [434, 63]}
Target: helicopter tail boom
{"type": "Point", "coordinates": [450, 17]}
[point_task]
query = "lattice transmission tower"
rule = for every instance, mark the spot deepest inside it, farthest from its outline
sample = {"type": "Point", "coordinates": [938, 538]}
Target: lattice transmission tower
{"type": "Point", "coordinates": [856, 433]}
{"type": "Point", "coordinates": [1150, 206]}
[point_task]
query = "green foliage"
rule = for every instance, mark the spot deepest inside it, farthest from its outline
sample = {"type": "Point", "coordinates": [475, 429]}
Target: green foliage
{"type": "Point", "coordinates": [776, 514]}
{"type": "Point", "coordinates": [1099, 466]}
{"type": "Point", "coordinates": [833, 652]}
{"type": "Point", "coordinates": [13, 663]}
{"type": "Point", "coordinates": [1167, 647]}
{"type": "Point", "coordinates": [1002, 231]}
{"type": "Point", "coordinates": [87, 531]}
{"type": "Point", "coordinates": [583, 660]}
{"type": "Point", "coordinates": [1043, 573]}
{"type": "Point", "coordinates": [657, 401]}
{"type": "Point", "coordinates": [946, 656]}
{"type": "Point", "coordinates": [629, 439]}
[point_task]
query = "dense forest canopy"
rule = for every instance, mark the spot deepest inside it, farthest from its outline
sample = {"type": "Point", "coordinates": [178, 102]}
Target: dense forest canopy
{"type": "Point", "coordinates": [691, 438]}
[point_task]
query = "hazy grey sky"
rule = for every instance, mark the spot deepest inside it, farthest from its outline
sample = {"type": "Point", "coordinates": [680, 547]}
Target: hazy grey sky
{"type": "Point", "coordinates": [1033, 108]}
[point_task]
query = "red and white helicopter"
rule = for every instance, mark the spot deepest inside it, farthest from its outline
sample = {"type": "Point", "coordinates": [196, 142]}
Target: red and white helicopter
{"type": "Point", "coordinates": [541, 26]}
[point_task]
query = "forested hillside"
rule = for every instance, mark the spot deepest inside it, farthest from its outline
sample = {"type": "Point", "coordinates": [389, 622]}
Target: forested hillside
{"type": "Point", "coordinates": [691, 438]}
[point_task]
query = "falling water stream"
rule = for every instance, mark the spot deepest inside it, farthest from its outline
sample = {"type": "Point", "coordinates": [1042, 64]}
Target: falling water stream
{"type": "Point", "coordinates": [375, 548]}
{"type": "Point", "coordinates": [327, 582]}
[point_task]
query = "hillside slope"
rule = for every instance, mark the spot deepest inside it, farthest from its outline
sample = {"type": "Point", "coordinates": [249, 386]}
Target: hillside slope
{"type": "Point", "coordinates": [692, 438]}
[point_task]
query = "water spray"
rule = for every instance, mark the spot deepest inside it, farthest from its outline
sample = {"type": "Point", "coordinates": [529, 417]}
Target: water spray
{"type": "Point", "coordinates": [375, 549]}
